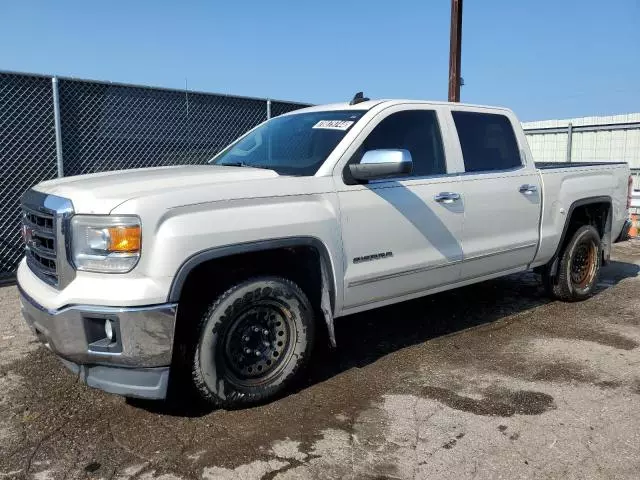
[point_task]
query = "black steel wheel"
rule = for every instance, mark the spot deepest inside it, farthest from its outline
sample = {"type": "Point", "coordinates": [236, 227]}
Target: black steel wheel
{"type": "Point", "coordinates": [254, 340]}
{"type": "Point", "coordinates": [578, 267]}
{"type": "Point", "coordinates": [259, 342]}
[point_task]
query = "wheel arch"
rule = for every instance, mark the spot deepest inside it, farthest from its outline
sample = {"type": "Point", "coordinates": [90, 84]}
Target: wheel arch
{"type": "Point", "coordinates": [604, 228]}
{"type": "Point", "coordinates": [327, 298]}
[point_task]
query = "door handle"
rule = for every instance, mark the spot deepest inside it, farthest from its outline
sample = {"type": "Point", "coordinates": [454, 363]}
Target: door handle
{"type": "Point", "coordinates": [447, 197]}
{"type": "Point", "coordinates": [528, 189]}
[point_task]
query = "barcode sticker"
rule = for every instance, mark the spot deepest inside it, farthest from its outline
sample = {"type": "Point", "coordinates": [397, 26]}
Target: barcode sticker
{"type": "Point", "coordinates": [334, 124]}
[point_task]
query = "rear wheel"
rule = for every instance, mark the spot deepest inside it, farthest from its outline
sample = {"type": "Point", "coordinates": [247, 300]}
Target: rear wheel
{"type": "Point", "coordinates": [578, 268]}
{"type": "Point", "coordinates": [254, 340]}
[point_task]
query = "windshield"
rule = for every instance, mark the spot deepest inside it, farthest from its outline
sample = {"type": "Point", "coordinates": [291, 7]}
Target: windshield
{"type": "Point", "coordinates": [295, 144]}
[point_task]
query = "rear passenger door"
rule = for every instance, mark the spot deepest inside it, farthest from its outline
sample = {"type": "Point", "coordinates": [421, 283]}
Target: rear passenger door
{"type": "Point", "coordinates": [501, 195]}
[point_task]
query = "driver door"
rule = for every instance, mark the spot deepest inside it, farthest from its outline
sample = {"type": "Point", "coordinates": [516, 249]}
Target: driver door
{"type": "Point", "coordinates": [400, 238]}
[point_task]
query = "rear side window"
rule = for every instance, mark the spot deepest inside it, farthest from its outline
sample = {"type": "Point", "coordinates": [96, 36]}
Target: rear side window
{"type": "Point", "coordinates": [414, 130]}
{"type": "Point", "coordinates": [487, 140]}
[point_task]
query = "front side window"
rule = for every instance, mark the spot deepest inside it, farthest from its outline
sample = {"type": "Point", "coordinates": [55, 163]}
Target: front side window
{"type": "Point", "coordinates": [414, 130]}
{"type": "Point", "coordinates": [296, 144]}
{"type": "Point", "coordinates": [487, 140]}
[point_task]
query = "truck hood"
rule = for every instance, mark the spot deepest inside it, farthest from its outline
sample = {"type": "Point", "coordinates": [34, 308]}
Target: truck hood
{"type": "Point", "coordinates": [99, 193]}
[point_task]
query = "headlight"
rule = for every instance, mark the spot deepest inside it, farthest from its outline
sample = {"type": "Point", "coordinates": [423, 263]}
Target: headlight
{"type": "Point", "coordinates": [105, 244]}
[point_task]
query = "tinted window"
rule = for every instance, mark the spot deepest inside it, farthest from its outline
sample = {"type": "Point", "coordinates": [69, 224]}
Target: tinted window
{"type": "Point", "coordinates": [413, 130]}
{"type": "Point", "coordinates": [487, 140]}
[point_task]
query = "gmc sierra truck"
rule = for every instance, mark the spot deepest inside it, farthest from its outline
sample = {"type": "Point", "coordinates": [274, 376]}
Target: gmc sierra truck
{"type": "Point", "coordinates": [229, 271]}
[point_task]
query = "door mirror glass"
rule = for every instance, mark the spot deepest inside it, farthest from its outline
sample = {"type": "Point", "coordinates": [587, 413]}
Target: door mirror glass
{"type": "Point", "coordinates": [382, 163]}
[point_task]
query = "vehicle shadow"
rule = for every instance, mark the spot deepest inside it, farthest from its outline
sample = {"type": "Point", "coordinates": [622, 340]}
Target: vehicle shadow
{"type": "Point", "coordinates": [363, 338]}
{"type": "Point", "coordinates": [617, 271]}
{"type": "Point", "coordinates": [366, 337]}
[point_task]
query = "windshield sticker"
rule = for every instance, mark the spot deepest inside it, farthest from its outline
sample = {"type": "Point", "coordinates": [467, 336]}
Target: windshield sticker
{"type": "Point", "coordinates": [334, 124]}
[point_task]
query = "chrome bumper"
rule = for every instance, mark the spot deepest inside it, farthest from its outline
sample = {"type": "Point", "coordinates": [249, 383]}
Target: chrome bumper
{"type": "Point", "coordinates": [135, 364]}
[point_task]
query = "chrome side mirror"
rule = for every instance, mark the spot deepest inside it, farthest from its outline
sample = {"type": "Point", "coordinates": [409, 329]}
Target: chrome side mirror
{"type": "Point", "coordinates": [382, 163]}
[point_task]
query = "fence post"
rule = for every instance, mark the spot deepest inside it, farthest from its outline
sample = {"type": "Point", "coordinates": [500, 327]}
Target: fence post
{"type": "Point", "coordinates": [569, 141]}
{"type": "Point", "coordinates": [268, 109]}
{"type": "Point", "coordinates": [57, 125]}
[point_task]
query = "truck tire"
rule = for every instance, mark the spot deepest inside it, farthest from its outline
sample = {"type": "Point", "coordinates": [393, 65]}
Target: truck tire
{"type": "Point", "coordinates": [578, 268]}
{"type": "Point", "coordinates": [254, 340]}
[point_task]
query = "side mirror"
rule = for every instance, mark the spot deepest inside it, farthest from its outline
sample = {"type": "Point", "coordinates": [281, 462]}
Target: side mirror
{"type": "Point", "coordinates": [382, 163]}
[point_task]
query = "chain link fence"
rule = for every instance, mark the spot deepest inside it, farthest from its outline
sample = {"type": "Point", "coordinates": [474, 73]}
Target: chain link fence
{"type": "Point", "coordinates": [105, 126]}
{"type": "Point", "coordinates": [27, 154]}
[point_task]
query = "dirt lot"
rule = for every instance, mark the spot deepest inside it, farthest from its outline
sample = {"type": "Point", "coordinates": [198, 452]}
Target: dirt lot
{"type": "Point", "coordinates": [489, 381]}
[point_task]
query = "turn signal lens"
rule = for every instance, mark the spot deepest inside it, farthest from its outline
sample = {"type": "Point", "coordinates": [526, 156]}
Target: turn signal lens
{"type": "Point", "coordinates": [124, 239]}
{"type": "Point", "coordinates": [106, 243]}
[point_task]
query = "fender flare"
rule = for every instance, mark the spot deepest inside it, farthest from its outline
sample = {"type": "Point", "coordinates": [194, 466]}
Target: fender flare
{"type": "Point", "coordinates": [606, 239]}
{"type": "Point", "coordinates": [328, 294]}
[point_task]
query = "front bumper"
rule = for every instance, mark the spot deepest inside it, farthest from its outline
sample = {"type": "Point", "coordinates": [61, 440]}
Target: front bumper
{"type": "Point", "coordinates": [136, 363]}
{"type": "Point", "coordinates": [150, 383]}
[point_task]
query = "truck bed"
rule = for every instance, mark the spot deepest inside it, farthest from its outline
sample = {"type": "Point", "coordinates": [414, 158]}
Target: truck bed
{"type": "Point", "coordinates": [550, 165]}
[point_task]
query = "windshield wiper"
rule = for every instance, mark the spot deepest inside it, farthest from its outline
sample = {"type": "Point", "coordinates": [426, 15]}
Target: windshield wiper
{"type": "Point", "coordinates": [243, 164]}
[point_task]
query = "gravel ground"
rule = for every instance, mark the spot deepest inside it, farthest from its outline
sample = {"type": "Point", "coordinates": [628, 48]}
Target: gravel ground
{"type": "Point", "coordinates": [488, 381]}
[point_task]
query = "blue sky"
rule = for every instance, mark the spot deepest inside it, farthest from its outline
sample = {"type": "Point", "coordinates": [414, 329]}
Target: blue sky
{"type": "Point", "coordinates": [545, 59]}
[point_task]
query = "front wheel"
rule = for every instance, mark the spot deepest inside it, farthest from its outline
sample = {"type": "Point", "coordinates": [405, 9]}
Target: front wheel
{"type": "Point", "coordinates": [578, 268]}
{"type": "Point", "coordinates": [254, 340]}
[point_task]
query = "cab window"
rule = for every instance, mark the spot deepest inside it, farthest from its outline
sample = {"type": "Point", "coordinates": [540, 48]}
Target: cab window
{"type": "Point", "coordinates": [487, 140]}
{"type": "Point", "coordinates": [414, 130]}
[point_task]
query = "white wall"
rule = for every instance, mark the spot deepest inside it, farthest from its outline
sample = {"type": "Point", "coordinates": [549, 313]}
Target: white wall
{"type": "Point", "coordinates": [601, 146]}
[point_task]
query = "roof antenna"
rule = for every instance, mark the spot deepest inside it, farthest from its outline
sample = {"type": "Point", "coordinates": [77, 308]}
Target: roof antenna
{"type": "Point", "coordinates": [358, 98]}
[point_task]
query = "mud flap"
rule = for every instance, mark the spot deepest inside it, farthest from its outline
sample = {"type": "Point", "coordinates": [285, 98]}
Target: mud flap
{"type": "Point", "coordinates": [606, 240]}
{"type": "Point", "coordinates": [325, 304]}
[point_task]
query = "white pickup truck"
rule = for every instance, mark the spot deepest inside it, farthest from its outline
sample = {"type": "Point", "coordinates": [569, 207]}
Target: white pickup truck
{"type": "Point", "coordinates": [230, 269]}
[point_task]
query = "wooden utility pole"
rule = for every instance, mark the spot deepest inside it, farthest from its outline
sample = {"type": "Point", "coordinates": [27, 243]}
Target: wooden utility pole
{"type": "Point", "coordinates": [455, 48]}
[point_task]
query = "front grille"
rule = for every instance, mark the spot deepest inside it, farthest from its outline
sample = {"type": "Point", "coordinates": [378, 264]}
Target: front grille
{"type": "Point", "coordinates": [40, 243]}
{"type": "Point", "coordinates": [45, 220]}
